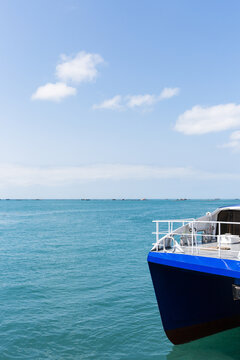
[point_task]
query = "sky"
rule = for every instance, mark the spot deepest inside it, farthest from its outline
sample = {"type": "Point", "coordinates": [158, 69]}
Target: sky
{"type": "Point", "coordinates": [119, 99]}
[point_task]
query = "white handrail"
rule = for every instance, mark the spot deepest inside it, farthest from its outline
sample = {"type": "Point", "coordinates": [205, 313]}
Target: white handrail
{"type": "Point", "coordinates": [198, 221]}
{"type": "Point", "coordinates": [192, 236]}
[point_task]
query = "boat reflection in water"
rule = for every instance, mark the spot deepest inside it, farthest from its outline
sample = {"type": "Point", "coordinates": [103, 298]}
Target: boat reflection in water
{"type": "Point", "coordinates": [222, 346]}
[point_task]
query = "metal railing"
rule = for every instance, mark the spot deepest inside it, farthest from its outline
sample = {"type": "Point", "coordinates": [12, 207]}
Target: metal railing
{"type": "Point", "coordinates": [196, 237]}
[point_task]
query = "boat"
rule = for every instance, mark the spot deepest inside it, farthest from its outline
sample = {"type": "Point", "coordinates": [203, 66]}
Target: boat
{"type": "Point", "coordinates": [195, 270]}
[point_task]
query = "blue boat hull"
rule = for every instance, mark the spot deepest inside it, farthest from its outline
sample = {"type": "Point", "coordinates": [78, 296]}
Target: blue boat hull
{"type": "Point", "coordinates": [195, 294]}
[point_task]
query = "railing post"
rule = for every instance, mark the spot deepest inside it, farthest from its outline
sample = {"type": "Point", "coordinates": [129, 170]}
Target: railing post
{"type": "Point", "coordinates": [157, 231]}
{"type": "Point", "coordinates": [219, 241]}
{"type": "Point", "coordinates": [192, 238]}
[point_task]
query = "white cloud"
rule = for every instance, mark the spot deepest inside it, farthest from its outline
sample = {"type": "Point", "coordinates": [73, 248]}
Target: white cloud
{"type": "Point", "coordinates": [133, 101]}
{"type": "Point", "coordinates": [234, 141]}
{"type": "Point", "coordinates": [113, 103]}
{"type": "Point", "coordinates": [23, 176]}
{"type": "Point", "coordinates": [141, 100]}
{"type": "Point", "coordinates": [81, 68]}
{"type": "Point", "coordinates": [53, 92]}
{"type": "Point", "coordinates": [167, 93]}
{"type": "Point", "coordinates": [203, 120]}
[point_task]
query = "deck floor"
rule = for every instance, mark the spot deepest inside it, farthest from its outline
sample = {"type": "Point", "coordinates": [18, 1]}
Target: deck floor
{"type": "Point", "coordinates": [211, 250]}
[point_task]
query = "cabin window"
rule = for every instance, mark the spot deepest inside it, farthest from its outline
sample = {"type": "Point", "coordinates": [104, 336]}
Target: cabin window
{"type": "Point", "coordinates": [229, 216]}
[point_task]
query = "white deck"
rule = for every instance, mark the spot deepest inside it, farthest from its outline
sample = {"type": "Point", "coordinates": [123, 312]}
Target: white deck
{"type": "Point", "coordinates": [209, 250]}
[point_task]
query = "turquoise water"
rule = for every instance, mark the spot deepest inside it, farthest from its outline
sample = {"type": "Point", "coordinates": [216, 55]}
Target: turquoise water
{"type": "Point", "coordinates": [75, 282]}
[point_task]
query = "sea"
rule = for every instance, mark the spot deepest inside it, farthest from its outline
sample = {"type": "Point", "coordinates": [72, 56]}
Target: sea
{"type": "Point", "coordinates": [75, 283]}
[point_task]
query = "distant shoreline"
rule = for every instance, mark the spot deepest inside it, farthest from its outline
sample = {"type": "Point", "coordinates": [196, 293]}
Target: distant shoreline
{"type": "Point", "coordinates": [119, 199]}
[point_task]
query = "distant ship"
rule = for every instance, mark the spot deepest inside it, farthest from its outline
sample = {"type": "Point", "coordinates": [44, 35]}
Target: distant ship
{"type": "Point", "coordinates": [195, 269]}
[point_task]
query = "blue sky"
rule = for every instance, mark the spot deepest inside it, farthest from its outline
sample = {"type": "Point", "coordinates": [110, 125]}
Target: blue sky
{"type": "Point", "coordinates": [108, 99]}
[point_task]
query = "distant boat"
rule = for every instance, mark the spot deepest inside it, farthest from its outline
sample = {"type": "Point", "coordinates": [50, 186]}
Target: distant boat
{"type": "Point", "coordinates": [195, 269]}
